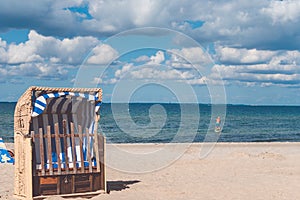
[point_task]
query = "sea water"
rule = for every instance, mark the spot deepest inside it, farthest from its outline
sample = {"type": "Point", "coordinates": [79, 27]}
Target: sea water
{"type": "Point", "coordinates": [243, 123]}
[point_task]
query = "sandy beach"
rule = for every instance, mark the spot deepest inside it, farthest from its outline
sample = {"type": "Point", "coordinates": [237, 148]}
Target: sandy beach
{"type": "Point", "coordinates": [230, 171]}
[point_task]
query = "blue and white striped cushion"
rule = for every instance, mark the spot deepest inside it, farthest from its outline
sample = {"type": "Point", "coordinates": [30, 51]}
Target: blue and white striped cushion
{"type": "Point", "coordinates": [41, 103]}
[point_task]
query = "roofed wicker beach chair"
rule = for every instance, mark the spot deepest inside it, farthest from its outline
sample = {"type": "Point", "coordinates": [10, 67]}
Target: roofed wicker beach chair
{"type": "Point", "coordinates": [58, 150]}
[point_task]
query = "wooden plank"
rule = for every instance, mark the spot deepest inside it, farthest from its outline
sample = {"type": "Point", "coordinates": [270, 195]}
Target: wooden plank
{"type": "Point", "coordinates": [58, 185]}
{"type": "Point", "coordinates": [32, 136]}
{"type": "Point", "coordinates": [34, 154]}
{"type": "Point", "coordinates": [65, 146]}
{"type": "Point", "coordinates": [96, 181]}
{"type": "Point", "coordinates": [73, 148]}
{"type": "Point", "coordinates": [66, 184]}
{"type": "Point", "coordinates": [96, 142]}
{"type": "Point", "coordinates": [73, 183]}
{"type": "Point", "coordinates": [89, 151]}
{"type": "Point", "coordinates": [91, 182]}
{"type": "Point", "coordinates": [86, 195]}
{"type": "Point", "coordinates": [81, 148]}
{"type": "Point", "coordinates": [49, 153]}
{"type": "Point", "coordinates": [36, 186]}
{"type": "Point", "coordinates": [101, 149]}
{"type": "Point", "coordinates": [42, 151]}
{"type": "Point", "coordinates": [49, 189]}
{"type": "Point", "coordinates": [57, 145]}
{"type": "Point", "coordinates": [48, 180]}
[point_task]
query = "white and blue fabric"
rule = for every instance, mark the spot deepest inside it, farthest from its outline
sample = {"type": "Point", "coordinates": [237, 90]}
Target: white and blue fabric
{"type": "Point", "coordinates": [54, 108]}
{"type": "Point", "coordinates": [4, 155]}
{"type": "Point", "coordinates": [40, 103]}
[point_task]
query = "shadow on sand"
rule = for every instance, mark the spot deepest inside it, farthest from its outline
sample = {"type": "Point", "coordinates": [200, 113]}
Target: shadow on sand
{"type": "Point", "coordinates": [119, 185]}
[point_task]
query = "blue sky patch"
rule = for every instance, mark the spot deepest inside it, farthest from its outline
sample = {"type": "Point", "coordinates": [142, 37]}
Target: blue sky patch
{"type": "Point", "coordinates": [16, 36]}
{"type": "Point", "coordinates": [82, 10]}
{"type": "Point", "coordinates": [195, 24]}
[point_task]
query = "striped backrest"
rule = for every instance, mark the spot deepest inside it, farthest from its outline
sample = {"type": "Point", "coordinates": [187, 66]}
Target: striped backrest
{"type": "Point", "coordinates": [71, 107]}
{"type": "Point", "coordinates": [41, 101]}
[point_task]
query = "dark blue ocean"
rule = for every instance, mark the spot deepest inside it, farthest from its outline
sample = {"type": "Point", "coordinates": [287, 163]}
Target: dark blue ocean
{"type": "Point", "coordinates": [242, 123]}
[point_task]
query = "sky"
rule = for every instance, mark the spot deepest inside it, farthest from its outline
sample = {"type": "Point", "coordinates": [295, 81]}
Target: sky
{"type": "Point", "coordinates": [236, 51]}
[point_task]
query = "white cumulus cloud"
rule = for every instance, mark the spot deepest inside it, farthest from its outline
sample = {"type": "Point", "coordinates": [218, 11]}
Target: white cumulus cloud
{"type": "Point", "coordinates": [243, 56]}
{"type": "Point", "coordinates": [102, 54]}
{"type": "Point", "coordinates": [283, 11]}
{"type": "Point", "coordinates": [161, 74]}
{"type": "Point", "coordinates": [260, 74]}
{"type": "Point", "coordinates": [188, 58]}
{"type": "Point", "coordinates": [142, 58]}
{"type": "Point", "coordinates": [40, 48]}
{"type": "Point", "coordinates": [156, 59]}
{"type": "Point", "coordinates": [44, 56]}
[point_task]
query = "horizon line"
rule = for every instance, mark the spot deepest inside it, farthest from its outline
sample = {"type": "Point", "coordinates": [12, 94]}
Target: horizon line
{"type": "Point", "coordinates": [156, 102]}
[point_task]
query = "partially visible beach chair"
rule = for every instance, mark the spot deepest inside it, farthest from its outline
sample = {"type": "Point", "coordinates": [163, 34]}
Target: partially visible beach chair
{"type": "Point", "coordinates": [5, 156]}
{"type": "Point", "coordinates": [57, 148]}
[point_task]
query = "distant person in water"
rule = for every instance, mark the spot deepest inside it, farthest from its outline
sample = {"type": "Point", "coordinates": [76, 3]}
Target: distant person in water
{"type": "Point", "coordinates": [218, 121]}
{"type": "Point", "coordinates": [218, 125]}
